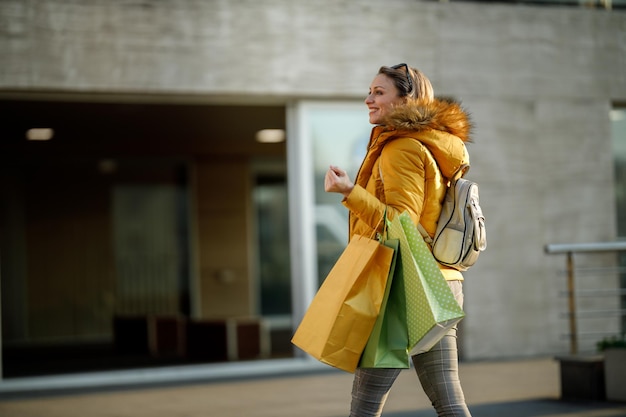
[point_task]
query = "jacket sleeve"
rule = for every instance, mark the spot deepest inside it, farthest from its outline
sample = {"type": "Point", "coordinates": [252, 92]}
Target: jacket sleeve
{"type": "Point", "coordinates": [403, 175]}
{"type": "Point", "coordinates": [401, 170]}
{"type": "Point", "coordinates": [366, 207]}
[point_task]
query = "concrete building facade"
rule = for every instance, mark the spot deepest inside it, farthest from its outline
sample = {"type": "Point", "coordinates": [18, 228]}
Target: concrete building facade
{"type": "Point", "coordinates": [539, 81]}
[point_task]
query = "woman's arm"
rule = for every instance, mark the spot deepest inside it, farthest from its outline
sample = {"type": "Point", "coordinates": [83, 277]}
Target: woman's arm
{"type": "Point", "coordinates": [400, 169]}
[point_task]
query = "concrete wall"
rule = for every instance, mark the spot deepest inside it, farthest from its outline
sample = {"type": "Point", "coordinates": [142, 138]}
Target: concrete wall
{"type": "Point", "coordinates": [539, 81]}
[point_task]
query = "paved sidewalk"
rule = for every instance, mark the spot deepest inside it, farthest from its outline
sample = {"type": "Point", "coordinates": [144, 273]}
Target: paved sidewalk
{"type": "Point", "coordinates": [521, 388]}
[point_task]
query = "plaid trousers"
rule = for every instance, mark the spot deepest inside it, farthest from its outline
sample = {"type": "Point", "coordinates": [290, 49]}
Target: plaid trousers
{"type": "Point", "coordinates": [437, 370]}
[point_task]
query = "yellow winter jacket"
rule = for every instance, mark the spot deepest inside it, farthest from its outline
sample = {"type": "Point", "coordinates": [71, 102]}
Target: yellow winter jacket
{"type": "Point", "coordinates": [408, 165]}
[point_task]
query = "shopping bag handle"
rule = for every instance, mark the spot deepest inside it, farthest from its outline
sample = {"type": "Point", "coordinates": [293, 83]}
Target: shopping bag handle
{"type": "Point", "coordinates": [381, 236]}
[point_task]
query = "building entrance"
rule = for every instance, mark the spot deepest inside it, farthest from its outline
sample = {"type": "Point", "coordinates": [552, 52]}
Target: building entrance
{"type": "Point", "coordinates": [108, 231]}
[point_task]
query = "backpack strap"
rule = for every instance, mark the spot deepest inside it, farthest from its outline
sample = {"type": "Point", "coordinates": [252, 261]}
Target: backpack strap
{"type": "Point", "coordinates": [460, 173]}
{"type": "Point", "coordinates": [420, 228]}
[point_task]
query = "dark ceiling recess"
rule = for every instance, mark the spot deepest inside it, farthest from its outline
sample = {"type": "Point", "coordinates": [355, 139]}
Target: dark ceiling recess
{"type": "Point", "coordinates": [137, 129]}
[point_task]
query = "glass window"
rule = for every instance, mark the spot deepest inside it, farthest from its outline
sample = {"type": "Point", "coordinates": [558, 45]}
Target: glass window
{"type": "Point", "coordinates": [339, 134]}
{"type": "Point", "coordinates": [270, 201]}
{"type": "Point", "coordinates": [149, 241]}
{"type": "Point", "coordinates": [321, 134]}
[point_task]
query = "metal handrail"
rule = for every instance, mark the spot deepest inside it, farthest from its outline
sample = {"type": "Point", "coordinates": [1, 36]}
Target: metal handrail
{"type": "Point", "coordinates": [599, 293]}
{"type": "Point", "coordinates": [586, 247]}
{"type": "Point", "coordinates": [569, 249]}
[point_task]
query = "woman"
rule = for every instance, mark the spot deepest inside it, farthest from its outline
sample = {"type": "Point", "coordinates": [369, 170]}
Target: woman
{"type": "Point", "coordinates": [417, 143]}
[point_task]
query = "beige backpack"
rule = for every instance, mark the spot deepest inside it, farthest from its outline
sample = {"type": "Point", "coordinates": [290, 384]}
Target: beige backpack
{"type": "Point", "coordinates": [460, 234]}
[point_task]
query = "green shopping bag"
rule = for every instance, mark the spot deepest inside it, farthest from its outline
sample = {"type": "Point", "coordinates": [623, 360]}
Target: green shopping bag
{"type": "Point", "coordinates": [431, 309]}
{"type": "Point", "coordinates": [387, 344]}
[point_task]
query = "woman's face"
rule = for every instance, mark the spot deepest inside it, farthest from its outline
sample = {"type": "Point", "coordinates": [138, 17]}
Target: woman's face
{"type": "Point", "coordinates": [382, 97]}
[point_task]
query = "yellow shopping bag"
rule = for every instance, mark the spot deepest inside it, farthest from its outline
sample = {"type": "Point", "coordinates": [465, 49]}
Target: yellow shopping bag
{"type": "Point", "coordinates": [387, 346]}
{"type": "Point", "coordinates": [339, 320]}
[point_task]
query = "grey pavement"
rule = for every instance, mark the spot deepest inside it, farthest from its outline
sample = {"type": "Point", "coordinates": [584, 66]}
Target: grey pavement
{"type": "Point", "coordinates": [520, 388]}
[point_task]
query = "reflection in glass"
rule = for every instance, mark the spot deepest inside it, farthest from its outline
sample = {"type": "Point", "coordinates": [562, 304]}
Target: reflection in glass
{"type": "Point", "coordinates": [339, 134]}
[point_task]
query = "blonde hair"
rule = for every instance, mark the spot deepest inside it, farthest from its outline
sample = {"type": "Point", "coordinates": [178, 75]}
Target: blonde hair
{"type": "Point", "coordinates": [418, 87]}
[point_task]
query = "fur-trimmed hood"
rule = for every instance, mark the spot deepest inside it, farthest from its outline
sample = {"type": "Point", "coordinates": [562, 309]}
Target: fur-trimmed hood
{"type": "Point", "coordinates": [442, 126]}
{"type": "Point", "coordinates": [444, 115]}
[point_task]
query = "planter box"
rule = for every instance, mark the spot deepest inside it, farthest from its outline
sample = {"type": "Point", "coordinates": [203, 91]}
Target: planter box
{"type": "Point", "coordinates": [582, 377]}
{"type": "Point", "coordinates": [615, 374]}
{"type": "Point", "coordinates": [228, 339]}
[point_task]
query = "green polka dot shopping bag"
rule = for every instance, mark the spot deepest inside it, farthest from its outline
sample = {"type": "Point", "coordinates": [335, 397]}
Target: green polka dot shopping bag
{"type": "Point", "coordinates": [419, 307]}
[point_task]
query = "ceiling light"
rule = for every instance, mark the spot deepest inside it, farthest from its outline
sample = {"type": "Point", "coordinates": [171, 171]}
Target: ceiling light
{"type": "Point", "coordinates": [270, 136]}
{"type": "Point", "coordinates": [617, 115]}
{"type": "Point", "coordinates": [39, 134]}
{"type": "Point", "coordinates": [107, 166]}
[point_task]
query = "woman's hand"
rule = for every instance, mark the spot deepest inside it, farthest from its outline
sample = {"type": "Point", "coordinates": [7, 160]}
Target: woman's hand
{"type": "Point", "coordinates": [337, 181]}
